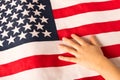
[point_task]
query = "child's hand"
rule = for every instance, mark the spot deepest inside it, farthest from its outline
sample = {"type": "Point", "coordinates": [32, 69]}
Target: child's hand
{"type": "Point", "coordinates": [86, 54]}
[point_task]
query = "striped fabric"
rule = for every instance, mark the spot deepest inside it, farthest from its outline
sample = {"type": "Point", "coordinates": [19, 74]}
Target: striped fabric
{"type": "Point", "coordinates": [39, 60]}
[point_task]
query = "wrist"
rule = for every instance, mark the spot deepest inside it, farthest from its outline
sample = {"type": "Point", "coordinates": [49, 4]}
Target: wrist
{"type": "Point", "coordinates": [108, 70]}
{"type": "Point", "coordinates": [101, 64]}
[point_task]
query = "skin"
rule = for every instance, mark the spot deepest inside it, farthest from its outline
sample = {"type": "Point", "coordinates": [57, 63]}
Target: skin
{"type": "Point", "coordinates": [89, 54]}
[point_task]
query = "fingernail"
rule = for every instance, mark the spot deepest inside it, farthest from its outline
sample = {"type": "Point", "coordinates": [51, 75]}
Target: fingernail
{"type": "Point", "coordinates": [60, 57]}
{"type": "Point", "coordinates": [73, 35]}
{"type": "Point", "coordinates": [64, 38]}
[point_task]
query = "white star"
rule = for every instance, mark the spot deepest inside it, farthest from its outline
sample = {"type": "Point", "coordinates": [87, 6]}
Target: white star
{"type": "Point", "coordinates": [4, 20]}
{"type": "Point", "coordinates": [19, 7]}
{"type": "Point", "coordinates": [13, 3]}
{"type": "Point", "coordinates": [1, 43]}
{"type": "Point", "coordinates": [9, 25]}
{"type": "Point", "coordinates": [46, 33]}
{"type": "Point", "coordinates": [39, 26]}
{"type": "Point", "coordinates": [25, 12]}
{"type": "Point", "coordinates": [11, 40]}
{"type": "Point", "coordinates": [27, 27]}
{"type": "Point", "coordinates": [15, 30]}
{"type": "Point", "coordinates": [35, 1]}
{"type": "Point", "coordinates": [35, 33]}
{"type": "Point", "coordinates": [9, 11]}
{"type": "Point", "coordinates": [14, 16]}
{"type": "Point", "coordinates": [0, 15]}
{"type": "Point", "coordinates": [4, 34]}
{"type": "Point", "coordinates": [23, 1]}
{"type": "Point", "coordinates": [32, 19]}
{"type": "Point", "coordinates": [0, 28]}
{"type": "Point", "coordinates": [37, 12]}
{"type": "Point", "coordinates": [30, 6]}
{"type": "Point", "coordinates": [42, 7]}
{"type": "Point", "coordinates": [44, 20]}
{"type": "Point", "coordinates": [20, 21]}
{"type": "Point", "coordinates": [3, 7]}
{"type": "Point", "coordinates": [22, 35]}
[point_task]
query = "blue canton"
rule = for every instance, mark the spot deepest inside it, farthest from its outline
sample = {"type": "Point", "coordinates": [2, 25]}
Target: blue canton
{"type": "Point", "coordinates": [23, 21]}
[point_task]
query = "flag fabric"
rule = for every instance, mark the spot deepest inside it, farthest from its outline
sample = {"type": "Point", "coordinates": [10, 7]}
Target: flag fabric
{"type": "Point", "coordinates": [30, 31]}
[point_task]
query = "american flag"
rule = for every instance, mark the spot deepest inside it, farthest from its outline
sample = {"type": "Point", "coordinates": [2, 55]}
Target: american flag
{"type": "Point", "coordinates": [30, 31]}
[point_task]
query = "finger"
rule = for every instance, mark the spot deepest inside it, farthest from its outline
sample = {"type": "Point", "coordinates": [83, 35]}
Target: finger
{"type": "Point", "coordinates": [69, 59]}
{"type": "Point", "coordinates": [71, 43]}
{"type": "Point", "coordinates": [79, 40]}
{"type": "Point", "coordinates": [68, 49]}
{"type": "Point", "coordinates": [95, 41]}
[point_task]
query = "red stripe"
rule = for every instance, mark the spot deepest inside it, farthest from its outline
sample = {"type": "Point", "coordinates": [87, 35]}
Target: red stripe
{"type": "Point", "coordinates": [85, 7]}
{"type": "Point", "coordinates": [42, 61]}
{"type": "Point", "coordinates": [111, 51]}
{"type": "Point", "coordinates": [90, 29]}
{"type": "Point", "coordinates": [92, 78]}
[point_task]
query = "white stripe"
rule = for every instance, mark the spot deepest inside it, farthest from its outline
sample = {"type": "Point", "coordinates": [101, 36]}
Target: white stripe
{"type": "Point", "coordinates": [56, 4]}
{"type": "Point", "coordinates": [28, 49]}
{"type": "Point", "coordinates": [70, 72]}
{"type": "Point", "coordinates": [116, 61]}
{"type": "Point", "coordinates": [88, 18]}
{"type": "Point", "coordinates": [39, 48]}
